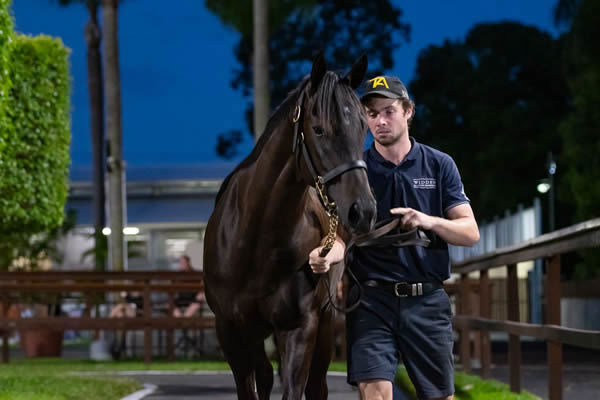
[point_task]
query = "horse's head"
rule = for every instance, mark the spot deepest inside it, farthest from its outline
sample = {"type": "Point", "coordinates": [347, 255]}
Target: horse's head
{"type": "Point", "coordinates": [330, 138]}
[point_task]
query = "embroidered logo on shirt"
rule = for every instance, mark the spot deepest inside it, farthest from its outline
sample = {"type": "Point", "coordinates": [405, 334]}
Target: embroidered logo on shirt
{"type": "Point", "coordinates": [424, 183]}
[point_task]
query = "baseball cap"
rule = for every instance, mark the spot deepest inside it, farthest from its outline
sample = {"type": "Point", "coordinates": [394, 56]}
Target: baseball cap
{"type": "Point", "coordinates": [387, 86]}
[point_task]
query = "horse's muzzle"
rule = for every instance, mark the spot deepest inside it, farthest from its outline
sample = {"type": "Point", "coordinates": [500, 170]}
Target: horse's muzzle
{"type": "Point", "coordinates": [361, 215]}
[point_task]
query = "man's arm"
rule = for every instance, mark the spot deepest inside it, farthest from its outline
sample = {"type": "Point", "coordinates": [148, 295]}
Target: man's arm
{"type": "Point", "coordinates": [459, 229]}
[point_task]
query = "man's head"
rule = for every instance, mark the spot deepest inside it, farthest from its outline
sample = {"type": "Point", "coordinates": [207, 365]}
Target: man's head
{"type": "Point", "coordinates": [389, 109]}
{"type": "Point", "coordinates": [185, 263]}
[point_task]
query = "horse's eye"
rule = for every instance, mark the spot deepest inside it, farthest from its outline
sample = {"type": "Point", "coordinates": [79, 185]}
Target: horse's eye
{"type": "Point", "coordinates": [318, 130]}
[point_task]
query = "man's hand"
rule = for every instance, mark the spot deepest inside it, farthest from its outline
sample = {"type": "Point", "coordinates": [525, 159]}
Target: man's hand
{"type": "Point", "coordinates": [321, 265]}
{"type": "Point", "coordinates": [318, 264]}
{"type": "Point", "coordinates": [412, 218]}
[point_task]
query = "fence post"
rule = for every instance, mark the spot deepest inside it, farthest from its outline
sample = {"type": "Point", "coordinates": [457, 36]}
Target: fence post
{"type": "Point", "coordinates": [514, 343]}
{"type": "Point", "coordinates": [147, 328]}
{"type": "Point", "coordinates": [465, 332]}
{"type": "Point", "coordinates": [5, 350]}
{"type": "Point", "coordinates": [555, 359]}
{"type": "Point", "coordinates": [171, 331]}
{"type": "Point", "coordinates": [484, 312]}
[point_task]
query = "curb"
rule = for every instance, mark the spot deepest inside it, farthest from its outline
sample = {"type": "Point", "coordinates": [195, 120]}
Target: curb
{"type": "Point", "coordinates": [140, 394]}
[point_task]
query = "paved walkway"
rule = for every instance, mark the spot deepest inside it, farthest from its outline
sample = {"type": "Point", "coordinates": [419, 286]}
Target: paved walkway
{"type": "Point", "coordinates": [220, 386]}
{"type": "Point", "coordinates": [580, 383]}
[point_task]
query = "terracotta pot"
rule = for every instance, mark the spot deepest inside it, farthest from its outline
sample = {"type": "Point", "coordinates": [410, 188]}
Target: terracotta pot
{"type": "Point", "coordinates": [41, 343]}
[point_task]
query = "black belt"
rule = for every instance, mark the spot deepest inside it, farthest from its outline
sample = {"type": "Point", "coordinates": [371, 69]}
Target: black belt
{"type": "Point", "coordinates": [405, 289]}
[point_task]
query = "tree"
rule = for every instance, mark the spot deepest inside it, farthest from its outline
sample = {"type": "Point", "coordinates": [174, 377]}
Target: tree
{"type": "Point", "coordinates": [494, 103]}
{"type": "Point", "coordinates": [93, 37]}
{"type": "Point", "coordinates": [114, 131]}
{"type": "Point", "coordinates": [345, 29]}
{"type": "Point", "coordinates": [580, 129]}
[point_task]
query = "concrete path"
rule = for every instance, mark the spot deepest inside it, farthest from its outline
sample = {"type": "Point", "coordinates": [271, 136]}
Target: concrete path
{"type": "Point", "coordinates": [220, 386]}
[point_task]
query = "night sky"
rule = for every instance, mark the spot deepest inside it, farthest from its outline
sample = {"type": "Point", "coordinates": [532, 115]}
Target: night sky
{"type": "Point", "coordinates": [177, 63]}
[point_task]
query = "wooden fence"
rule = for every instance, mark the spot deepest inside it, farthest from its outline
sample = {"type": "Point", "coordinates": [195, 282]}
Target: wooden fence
{"type": "Point", "coordinates": [548, 247]}
{"type": "Point", "coordinates": [16, 286]}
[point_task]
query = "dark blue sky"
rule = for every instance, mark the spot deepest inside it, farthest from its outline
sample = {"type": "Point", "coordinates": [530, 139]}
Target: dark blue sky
{"type": "Point", "coordinates": [177, 62]}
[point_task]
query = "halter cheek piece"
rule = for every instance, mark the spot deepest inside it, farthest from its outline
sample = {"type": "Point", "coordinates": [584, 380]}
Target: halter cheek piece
{"type": "Point", "coordinates": [298, 145]}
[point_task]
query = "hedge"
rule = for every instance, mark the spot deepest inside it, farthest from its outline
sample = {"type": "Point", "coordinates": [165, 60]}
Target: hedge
{"type": "Point", "coordinates": [35, 130]}
{"type": "Point", "coordinates": [6, 39]}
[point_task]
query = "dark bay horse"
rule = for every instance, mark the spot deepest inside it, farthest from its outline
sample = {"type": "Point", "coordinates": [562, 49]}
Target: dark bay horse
{"type": "Point", "coordinates": [267, 219]}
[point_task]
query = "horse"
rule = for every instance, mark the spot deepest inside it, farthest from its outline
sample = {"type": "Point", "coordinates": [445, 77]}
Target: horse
{"type": "Point", "coordinates": [304, 173]}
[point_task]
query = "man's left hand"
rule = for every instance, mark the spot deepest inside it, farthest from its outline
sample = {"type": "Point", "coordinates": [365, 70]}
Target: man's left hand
{"type": "Point", "coordinates": [412, 218]}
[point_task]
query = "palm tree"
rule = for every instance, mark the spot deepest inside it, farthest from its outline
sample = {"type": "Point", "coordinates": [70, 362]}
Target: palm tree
{"type": "Point", "coordinates": [265, 14]}
{"type": "Point", "coordinates": [261, 65]}
{"type": "Point", "coordinates": [114, 131]}
{"type": "Point", "coordinates": [93, 37]}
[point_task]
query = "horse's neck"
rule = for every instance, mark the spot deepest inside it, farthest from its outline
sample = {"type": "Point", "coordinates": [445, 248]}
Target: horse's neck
{"type": "Point", "coordinates": [275, 171]}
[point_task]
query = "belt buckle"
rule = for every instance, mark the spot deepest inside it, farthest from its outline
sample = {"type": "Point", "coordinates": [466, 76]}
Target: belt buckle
{"type": "Point", "coordinates": [396, 285]}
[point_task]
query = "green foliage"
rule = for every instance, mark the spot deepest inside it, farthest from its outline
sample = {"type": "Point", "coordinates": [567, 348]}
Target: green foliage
{"type": "Point", "coordinates": [494, 102]}
{"type": "Point", "coordinates": [33, 251]}
{"type": "Point", "coordinates": [35, 159]}
{"type": "Point", "coordinates": [238, 13]}
{"type": "Point", "coordinates": [6, 40]}
{"type": "Point", "coordinates": [581, 129]}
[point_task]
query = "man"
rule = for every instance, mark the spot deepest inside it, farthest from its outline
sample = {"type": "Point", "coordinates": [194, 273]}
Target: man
{"type": "Point", "coordinates": [188, 303]}
{"type": "Point", "coordinates": [404, 310]}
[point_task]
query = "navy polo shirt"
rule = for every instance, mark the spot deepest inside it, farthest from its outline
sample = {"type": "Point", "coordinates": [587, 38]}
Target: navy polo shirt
{"type": "Point", "coordinates": [426, 180]}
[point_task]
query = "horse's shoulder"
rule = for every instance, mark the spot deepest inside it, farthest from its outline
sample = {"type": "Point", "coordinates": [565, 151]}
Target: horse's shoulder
{"type": "Point", "coordinates": [315, 209]}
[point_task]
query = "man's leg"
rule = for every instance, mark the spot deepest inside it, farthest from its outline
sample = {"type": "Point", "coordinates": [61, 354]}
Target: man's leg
{"type": "Point", "coordinates": [376, 389]}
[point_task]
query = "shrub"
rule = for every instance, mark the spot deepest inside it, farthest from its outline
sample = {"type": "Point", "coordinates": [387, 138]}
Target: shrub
{"type": "Point", "coordinates": [35, 130]}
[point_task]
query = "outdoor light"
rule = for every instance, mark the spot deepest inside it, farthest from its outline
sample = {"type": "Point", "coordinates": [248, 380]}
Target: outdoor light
{"type": "Point", "coordinates": [543, 186]}
{"type": "Point", "coordinates": [106, 231]}
{"type": "Point", "coordinates": [131, 230]}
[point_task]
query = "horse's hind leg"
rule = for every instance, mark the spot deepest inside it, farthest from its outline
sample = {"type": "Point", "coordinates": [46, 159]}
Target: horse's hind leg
{"type": "Point", "coordinates": [263, 371]}
{"type": "Point", "coordinates": [316, 386]}
{"type": "Point", "coordinates": [238, 355]}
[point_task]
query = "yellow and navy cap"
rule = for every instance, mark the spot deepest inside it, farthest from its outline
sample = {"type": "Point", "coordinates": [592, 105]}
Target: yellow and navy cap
{"type": "Point", "coordinates": [387, 86]}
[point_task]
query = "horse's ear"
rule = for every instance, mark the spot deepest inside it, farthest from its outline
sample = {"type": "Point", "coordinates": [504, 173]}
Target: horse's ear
{"type": "Point", "coordinates": [357, 72]}
{"type": "Point", "coordinates": [318, 72]}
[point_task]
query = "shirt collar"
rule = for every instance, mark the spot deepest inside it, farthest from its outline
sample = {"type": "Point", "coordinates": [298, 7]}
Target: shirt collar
{"type": "Point", "coordinates": [412, 153]}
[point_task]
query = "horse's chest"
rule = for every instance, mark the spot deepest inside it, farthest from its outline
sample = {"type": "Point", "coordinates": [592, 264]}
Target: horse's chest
{"type": "Point", "coordinates": [287, 307]}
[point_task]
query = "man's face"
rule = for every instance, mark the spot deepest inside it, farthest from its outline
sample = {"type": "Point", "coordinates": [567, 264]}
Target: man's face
{"type": "Point", "coordinates": [387, 119]}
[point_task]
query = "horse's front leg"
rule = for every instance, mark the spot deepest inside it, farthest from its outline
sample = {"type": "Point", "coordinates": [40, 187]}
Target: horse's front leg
{"type": "Point", "coordinates": [296, 349]}
{"type": "Point", "coordinates": [316, 387]}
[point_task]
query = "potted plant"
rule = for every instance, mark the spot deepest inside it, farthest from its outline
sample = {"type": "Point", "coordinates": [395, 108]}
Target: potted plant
{"type": "Point", "coordinates": [22, 252]}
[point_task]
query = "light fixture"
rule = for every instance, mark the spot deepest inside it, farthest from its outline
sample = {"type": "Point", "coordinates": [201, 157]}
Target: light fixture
{"type": "Point", "coordinates": [543, 186]}
{"type": "Point", "coordinates": [106, 231]}
{"type": "Point", "coordinates": [131, 230]}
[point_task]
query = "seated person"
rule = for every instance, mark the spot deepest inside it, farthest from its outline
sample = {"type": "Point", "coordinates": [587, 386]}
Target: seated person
{"type": "Point", "coordinates": [188, 303]}
{"type": "Point", "coordinates": [128, 307]}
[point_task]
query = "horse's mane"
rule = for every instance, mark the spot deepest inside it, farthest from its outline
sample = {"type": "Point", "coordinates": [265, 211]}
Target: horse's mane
{"type": "Point", "coordinates": [324, 107]}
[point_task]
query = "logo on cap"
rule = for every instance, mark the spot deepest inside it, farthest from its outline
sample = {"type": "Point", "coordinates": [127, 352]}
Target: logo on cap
{"type": "Point", "coordinates": [379, 81]}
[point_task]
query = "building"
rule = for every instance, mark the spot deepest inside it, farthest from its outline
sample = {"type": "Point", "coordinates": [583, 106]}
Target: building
{"type": "Point", "coordinates": [167, 210]}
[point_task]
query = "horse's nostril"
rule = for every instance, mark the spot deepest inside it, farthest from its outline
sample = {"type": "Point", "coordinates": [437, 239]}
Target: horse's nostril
{"type": "Point", "coordinates": [354, 214]}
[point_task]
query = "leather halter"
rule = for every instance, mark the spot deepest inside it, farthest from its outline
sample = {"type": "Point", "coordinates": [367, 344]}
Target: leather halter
{"type": "Point", "coordinates": [298, 145]}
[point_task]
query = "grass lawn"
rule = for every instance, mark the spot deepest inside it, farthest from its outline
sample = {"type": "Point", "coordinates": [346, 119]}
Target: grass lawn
{"type": "Point", "coordinates": [53, 379]}
{"type": "Point", "coordinates": [469, 387]}
{"type": "Point", "coordinates": [57, 379]}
